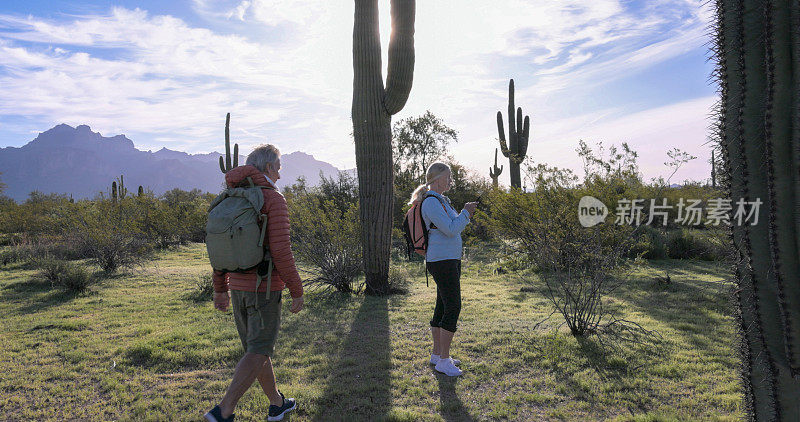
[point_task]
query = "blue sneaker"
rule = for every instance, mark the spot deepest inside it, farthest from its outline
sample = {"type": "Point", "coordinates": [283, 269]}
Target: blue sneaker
{"type": "Point", "coordinates": [215, 415]}
{"type": "Point", "coordinates": [276, 413]}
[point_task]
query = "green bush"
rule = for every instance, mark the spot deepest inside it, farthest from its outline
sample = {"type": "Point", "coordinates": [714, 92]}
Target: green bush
{"type": "Point", "coordinates": [57, 226]}
{"type": "Point", "coordinates": [650, 244]}
{"type": "Point", "coordinates": [576, 263]}
{"type": "Point", "coordinates": [327, 238]}
{"type": "Point", "coordinates": [399, 280]}
{"type": "Point", "coordinates": [202, 288]}
{"type": "Point", "coordinates": [112, 235]}
{"type": "Point", "coordinates": [707, 245]}
{"type": "Point", "coordinates": [10, 255]}
{"type": "Point", "coordinates": [69, 275]}
{"type": "Point", "coordinates": [681, 244]}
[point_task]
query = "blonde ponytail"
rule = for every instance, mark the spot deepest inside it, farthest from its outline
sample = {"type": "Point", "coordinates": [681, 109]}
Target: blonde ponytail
{"type": "Point", "coordinates": [418, 194]}
{"type": "Point", "coordinates": [435, 171]}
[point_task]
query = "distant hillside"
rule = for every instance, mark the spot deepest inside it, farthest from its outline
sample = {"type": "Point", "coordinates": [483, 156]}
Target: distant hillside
{"type": "Point", "coordinates": [80, 162]}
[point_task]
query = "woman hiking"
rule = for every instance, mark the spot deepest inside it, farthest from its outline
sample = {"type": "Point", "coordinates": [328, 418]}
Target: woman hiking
{"type": "Point", "coordinates": [443, 259]}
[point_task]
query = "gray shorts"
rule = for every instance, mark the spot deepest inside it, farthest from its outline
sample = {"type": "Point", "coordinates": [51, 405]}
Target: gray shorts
{"type": "Point", "coordinates": [257, 337]}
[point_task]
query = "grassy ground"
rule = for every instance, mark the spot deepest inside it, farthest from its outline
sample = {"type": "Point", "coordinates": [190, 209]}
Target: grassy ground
{"type": "Point", "coordinates": [137, 348]}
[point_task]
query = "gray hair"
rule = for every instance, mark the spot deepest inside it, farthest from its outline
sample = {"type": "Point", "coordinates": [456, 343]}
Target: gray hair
{"type": "Point", "coordinates": [263, 156]}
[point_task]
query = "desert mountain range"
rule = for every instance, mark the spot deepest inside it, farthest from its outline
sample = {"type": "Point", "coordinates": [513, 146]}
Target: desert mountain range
{"type": "Point", "coordinates": [77, 161]}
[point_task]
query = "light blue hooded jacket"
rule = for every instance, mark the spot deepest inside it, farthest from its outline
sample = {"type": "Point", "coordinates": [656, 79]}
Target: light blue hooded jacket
{"type": "Point", "coordinates": [444, 242]}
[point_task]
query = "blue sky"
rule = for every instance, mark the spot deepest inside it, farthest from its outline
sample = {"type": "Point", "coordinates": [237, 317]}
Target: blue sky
{"type": "Point", "coordinates": [165, 74]}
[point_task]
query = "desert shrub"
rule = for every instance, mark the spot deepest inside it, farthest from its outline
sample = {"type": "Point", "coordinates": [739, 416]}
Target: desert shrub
{"type": "Point", "coordinates": [329, 239]}
{"type": "Point", "coordinates": [202, 288]}
{"type": "Point", "coordinates": [186, 213]}
{"type": "Point", "coordinates": [40, 215]}
{"type": "Point", "coordinates": [579, 265]}
{"type": "Point", "coordinates": [399, 280]}
{"type": "Point", "coordinates": [681, 244]}
{"type": "Point", "coordinates": [650, 244]}
{"type": "Point", "coordinates": [112, 235]}
{"type": "Point", "coordinates": [10, 239]}
{"type": "Point", "coordinates": [341, 192]}
{"type": "Point", "coordinates": [707, 245]}
{"type": "Point", "coordinates": [69, 275]}
{"type": "Point", "coordinates": [28, 249]}
{"type": "Point", "coordinates": [9, 256]}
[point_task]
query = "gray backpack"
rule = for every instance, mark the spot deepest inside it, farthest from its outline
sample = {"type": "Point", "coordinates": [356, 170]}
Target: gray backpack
{"type": "Point", "coordinates": [235, 233]}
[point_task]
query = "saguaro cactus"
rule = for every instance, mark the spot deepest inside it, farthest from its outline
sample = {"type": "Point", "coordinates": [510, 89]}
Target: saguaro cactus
{"type": "Point", "coordinates": [517, 137]}
{"type": "Point", "coordinates": [495, 172]}
{"type": "Point", "coordinates": [118, 190]}
{"type": "Point", "coordinates": [757, 51]}
{"type": "Point", "coordinates": [121, 187]}
{"type": "Point", "coordinates": [140, 192]}
{"type": "Point", "coordinates": [225, 165]}
{"type": "Point", "coordinates": [373, 106]}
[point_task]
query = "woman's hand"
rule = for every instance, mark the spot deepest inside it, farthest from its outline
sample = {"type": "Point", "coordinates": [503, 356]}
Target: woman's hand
{"type": "Point", "coordinates": [222, 300]}
{"type": "Point", "coordinates": [471, 207]}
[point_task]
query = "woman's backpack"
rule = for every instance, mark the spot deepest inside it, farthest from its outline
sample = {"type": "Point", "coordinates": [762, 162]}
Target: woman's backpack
{"type": "Point", "coordinates": [415, 230]}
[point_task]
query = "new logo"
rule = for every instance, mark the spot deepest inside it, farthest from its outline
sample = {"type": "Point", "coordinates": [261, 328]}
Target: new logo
{"type": "Point", "coordinates": [591, 211]}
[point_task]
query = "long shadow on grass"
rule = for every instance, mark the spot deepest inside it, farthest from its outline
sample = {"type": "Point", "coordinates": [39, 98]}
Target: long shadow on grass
{"type": "Point", "coordinates": [452, 407]}
{"type": "Point", "coordinates": [687, 302]}
{"type": "Point", "coordinates": [359, 383]}
{"type": "Point", "coordinates": [36, 295]}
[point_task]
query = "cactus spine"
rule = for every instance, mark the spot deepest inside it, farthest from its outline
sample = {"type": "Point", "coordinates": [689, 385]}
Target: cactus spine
{"type": "Point", "coordinates": [372, 110]}
{"type": "Point", "coordinates": [757, 49]}
{"type": "Point", "coordinates": [495, 172]}
{"type": "Point", "coordinates": [225, 165]}
{"type": "Point", "coordinates": [517, 137]}
{"type": "Point", "coordinates": [713, 170]}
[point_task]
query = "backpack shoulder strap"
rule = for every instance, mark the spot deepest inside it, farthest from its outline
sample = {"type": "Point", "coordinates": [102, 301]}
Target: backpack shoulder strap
{"type": "Point", "coordinates": [427, 195]}
{"type": "Point", "coordinates": [434, 196]}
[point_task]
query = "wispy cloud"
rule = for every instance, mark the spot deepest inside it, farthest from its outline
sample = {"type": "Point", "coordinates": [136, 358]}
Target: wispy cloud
{"type": "Point", "coordinates": [284, 67]}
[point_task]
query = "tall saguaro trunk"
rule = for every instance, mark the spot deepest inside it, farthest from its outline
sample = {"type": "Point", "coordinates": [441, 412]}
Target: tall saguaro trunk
{"type": "Point", "coordinates": [372, 109]}
{"type": "Point", "coordinates": [756, 47]}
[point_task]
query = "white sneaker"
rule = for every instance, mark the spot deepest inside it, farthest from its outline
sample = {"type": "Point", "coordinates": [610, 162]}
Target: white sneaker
{"type": "Point", "coordinates": [435, 359]}
{"type": "Point", "coordinates": [447, 367]}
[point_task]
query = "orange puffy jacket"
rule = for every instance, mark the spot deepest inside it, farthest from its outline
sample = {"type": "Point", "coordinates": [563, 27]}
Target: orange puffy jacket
{"type": "Point", "coordinates": [285, 271]}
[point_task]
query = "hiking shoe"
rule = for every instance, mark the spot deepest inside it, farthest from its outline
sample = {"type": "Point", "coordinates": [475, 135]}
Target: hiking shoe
{"type": "Point", "coordinates": [276, 413]}
{"type": "Point", "coordinates": [215, 415]}
{"type": "Point", "coordinates": [447, 367]}
{"type": "Point", "coordinates": [435, 359]}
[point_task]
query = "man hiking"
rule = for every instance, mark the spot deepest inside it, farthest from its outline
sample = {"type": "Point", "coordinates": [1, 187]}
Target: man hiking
{"type": "Point", "coordinates": [256, 311]}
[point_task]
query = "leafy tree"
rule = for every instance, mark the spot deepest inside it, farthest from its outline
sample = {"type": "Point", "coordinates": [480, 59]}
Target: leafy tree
{"type": "Point", "coordinates": [419, 141]}
{"type": "Point", "coordinates": [342, 192]}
